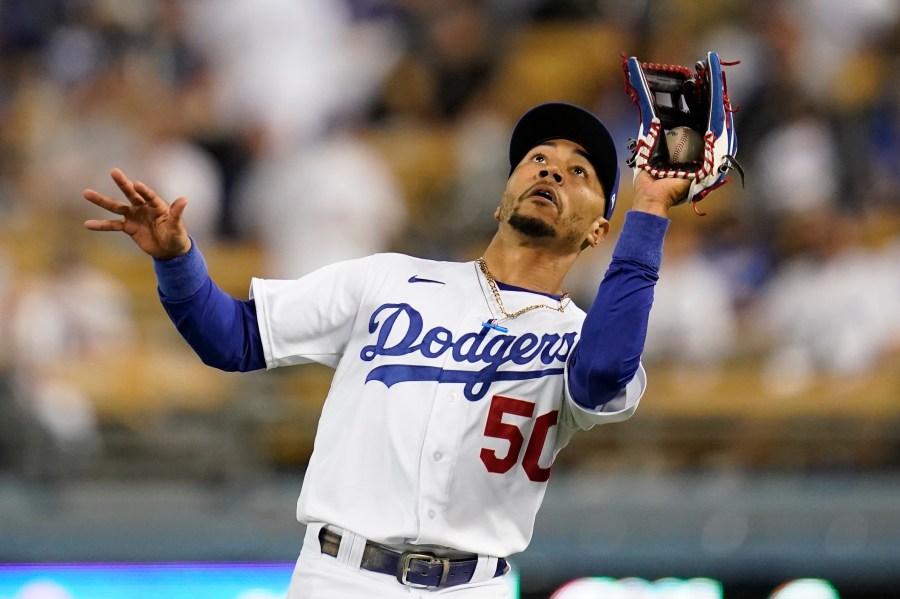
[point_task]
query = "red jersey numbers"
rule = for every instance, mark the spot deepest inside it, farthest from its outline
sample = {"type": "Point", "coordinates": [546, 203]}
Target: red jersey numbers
{"type": "Point", "coordinates": [497, 428]}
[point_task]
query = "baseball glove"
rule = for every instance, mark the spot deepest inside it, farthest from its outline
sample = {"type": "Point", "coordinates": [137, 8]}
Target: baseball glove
{"type": "Point", "coordinates": [671, 96]}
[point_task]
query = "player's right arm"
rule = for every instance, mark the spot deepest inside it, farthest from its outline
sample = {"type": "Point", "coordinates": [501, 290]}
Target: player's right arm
{"type": "Point", "coordinates": [222, 330]}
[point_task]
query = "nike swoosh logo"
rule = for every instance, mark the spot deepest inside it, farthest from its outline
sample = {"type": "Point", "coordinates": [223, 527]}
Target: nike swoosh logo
{"type": "Point", "coordinates": [418, 279]}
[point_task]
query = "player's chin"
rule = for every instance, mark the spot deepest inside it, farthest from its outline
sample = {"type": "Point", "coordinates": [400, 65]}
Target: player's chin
{"type": "Point", "coordinates": [532, 226]}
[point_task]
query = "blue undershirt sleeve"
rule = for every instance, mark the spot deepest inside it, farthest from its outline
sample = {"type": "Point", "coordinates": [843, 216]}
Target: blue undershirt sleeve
{"type": "Point", "coordinates": [223, 331]}
{"type": "Point", "coordinates": [612, 337]}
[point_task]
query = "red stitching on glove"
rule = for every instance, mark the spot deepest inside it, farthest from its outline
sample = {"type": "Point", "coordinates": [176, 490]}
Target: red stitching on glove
{"type": "Point", "coordinates": [629, 87]}
{"type": "Point", "coordinates": [669, 68]}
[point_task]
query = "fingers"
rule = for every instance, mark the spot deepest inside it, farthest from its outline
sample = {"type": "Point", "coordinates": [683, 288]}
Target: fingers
{"type": "Point", "coordinates": [105, 225]}
{"type": "Point", "coordinates": [107, 204]}
{"type": "Point", "coordinates": [177, 208]}
{"type": "Point", "coordinates": [145, 211]}
{"type": "Point", "coordinates": [104, 202]}
{"type": "Point", "coordinates": [679, 189]}
{"type": "Point", "coordinates": [127, 187]}
{"type": "Point", "coordinates": [136, 192]}
{"type": "Point", "coordinates": [149, 196]}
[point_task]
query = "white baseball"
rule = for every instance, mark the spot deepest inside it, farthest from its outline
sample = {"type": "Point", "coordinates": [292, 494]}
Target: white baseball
{"type": "Point", "coordinates": [684, 144]}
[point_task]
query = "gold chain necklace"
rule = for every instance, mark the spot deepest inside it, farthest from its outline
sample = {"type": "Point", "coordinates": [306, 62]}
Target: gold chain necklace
{"type": "Point", "coordinates": [496, 291]}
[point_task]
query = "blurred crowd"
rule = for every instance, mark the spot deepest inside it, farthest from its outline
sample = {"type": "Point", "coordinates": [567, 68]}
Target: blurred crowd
{"type": "Point", "coordinates": [303, 133]}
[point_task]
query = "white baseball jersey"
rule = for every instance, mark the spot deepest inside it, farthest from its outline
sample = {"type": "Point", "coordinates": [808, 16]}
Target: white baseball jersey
{"type": "Point", "coordinates": [436, 430]}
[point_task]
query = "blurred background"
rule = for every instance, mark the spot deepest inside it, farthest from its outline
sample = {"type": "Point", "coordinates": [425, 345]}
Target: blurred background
{"type": "Point", "coordinates": [767, 447]}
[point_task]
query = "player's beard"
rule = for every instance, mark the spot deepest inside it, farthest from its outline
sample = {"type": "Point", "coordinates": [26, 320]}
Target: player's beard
{"type": "Point", "coordinates": [563, 230]}
{"type": "Point", "coordinates": [530, 226]}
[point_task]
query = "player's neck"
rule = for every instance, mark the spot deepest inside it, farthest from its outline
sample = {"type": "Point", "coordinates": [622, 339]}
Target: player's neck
{"type": "Point", "coordinates": [528, 267]}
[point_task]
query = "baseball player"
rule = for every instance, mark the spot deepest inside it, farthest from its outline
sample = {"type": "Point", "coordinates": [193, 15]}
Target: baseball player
{"type": "Point", "coordinates": [455, 384]}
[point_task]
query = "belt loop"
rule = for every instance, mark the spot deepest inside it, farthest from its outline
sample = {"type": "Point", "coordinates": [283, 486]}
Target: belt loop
{"type": "Point", "coordinates": [311, 545]}
{"type": "Point", "coordinates": [351, 550]}
{"type": "Point", "coordinates": [485, 570]}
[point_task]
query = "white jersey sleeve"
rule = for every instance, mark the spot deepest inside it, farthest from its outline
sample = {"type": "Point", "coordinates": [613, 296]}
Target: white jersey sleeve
{"type": "Point", "coordinates": [309, 319]}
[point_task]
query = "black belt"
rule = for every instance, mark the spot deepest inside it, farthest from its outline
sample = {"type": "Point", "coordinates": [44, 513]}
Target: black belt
{"type": "Point", "coordinates": [419, 569]}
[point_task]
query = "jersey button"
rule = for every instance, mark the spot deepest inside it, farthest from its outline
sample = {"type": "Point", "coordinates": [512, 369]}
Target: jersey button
{"type": "Point", "coordinates": [437, 456]}
{"type": "Point", "coordinates": [431, 514]}
{"type": "Point", "coordinates": [453, 397]}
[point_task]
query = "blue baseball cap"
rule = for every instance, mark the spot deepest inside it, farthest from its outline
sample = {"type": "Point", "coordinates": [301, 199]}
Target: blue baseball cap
{"type": "Point", "coordinates": [560, 120]}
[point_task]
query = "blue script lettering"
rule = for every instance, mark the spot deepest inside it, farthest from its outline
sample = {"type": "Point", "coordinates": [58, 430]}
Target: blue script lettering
{"type": "Point", "coordinates": [413, 328]}
{"type": "Point", "coordinates": [399, 329]}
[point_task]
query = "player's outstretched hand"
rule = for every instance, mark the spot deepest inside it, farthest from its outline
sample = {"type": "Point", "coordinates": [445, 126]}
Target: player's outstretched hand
{"type": "Point", "coordinates": [155, 226]}
{"type": "Point", "coordinates": [657, 195]}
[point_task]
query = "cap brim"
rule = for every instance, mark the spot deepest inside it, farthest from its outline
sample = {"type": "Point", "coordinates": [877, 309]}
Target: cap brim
{"type": "Point", "coordinates": [559, 120]}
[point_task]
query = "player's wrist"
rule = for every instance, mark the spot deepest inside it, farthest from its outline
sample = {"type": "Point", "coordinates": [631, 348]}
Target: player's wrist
{"type": "Point", "coordinates": [656, 208]}
{"type": "Point", "coordinates": [179, 277]}
{"type": "Point", "coordinates": [179, 247]}
{"type": "Point", "coordinates": [641, 239]}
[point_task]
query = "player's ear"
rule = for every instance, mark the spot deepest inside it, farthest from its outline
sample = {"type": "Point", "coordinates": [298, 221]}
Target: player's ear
{"type": "Point", "coordinates": [598, 233]}
{"type": "Point", "coordinates": [497, 214]}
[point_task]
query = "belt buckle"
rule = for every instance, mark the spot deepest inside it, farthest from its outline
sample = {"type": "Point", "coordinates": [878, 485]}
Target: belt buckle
{"type": "Point", "coordinates": [403, 568]}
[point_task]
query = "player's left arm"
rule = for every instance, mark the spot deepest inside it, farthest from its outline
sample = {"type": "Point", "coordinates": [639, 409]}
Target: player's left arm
{"type": "Point", "coordinates": [612, 338]}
